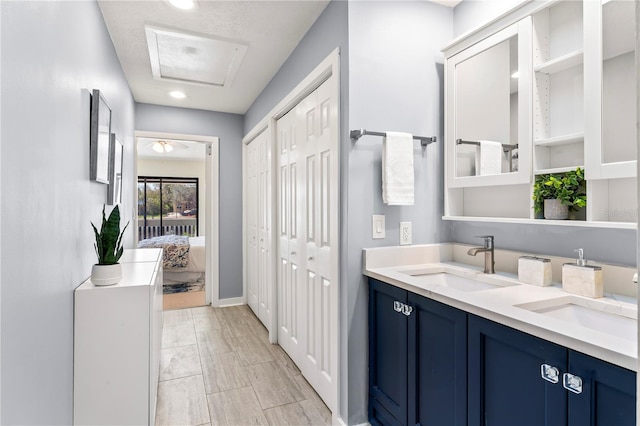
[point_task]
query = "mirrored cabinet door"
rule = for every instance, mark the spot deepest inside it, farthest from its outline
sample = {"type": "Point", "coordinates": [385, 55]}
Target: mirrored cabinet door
{"type": "Point", "coordinates": [488, 120]}
{"type": "Point", "coordinates": [612, 141]}
{"type": "Point", "coordinates": [610, 127]}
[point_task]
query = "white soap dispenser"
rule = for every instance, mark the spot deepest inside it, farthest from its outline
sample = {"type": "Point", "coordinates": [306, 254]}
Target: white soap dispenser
{"type": "Point", "coordinates": [582, 279]}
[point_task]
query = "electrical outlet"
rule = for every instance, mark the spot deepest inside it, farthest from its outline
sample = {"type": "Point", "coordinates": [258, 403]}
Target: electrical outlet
{"type": "Point", "coordinates": [405, 233]}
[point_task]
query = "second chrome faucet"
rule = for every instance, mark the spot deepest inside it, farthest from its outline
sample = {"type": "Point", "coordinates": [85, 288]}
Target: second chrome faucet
{"type": "Point", "coordinates": [487, 249]}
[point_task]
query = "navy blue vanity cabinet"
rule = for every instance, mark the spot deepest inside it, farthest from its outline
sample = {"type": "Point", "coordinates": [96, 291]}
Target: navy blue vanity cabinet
{"type": "Point", "coordinates": [387, 354]}
{"type": "Point", "coordinates": [417, 359]}
{"type": "Point", "coordinates": [505, 377]}
{"type": "Point", "coordinates": [437, 363]}
{"type": "Point", "coordinates": [602, 394]}
{"type": "Point", "coordinates": [506, 384]}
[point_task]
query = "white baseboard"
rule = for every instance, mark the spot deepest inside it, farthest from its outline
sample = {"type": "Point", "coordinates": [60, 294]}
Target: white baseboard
{"type": "Point", "coordinates": [341, 422]}
{"type": "Point", "coordinates": [232, 301]}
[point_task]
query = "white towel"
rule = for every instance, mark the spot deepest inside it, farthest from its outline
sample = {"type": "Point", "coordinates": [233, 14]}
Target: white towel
{"type": "Point", "coordinates": [489, 158]}
{"type": "Point", "coordinates": [397, 169]}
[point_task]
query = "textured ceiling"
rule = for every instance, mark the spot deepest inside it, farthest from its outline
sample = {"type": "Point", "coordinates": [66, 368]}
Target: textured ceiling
{"type": "Point", "coordinates": [271, 29]}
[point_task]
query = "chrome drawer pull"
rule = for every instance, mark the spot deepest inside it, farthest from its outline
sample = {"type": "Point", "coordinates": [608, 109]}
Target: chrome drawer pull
{"type": "Point", "coordinates": [406, 309]}
{"type": "Point", "coordinates": [572, 383]}
{"type": "Point", "coordinates": [397, 306]}
{"type": "Point", "coordinates": [549, 373]}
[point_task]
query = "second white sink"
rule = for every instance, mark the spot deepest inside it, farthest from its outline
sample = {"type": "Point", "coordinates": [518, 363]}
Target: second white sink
{"type": "Point", "coordinates": [596, 315]}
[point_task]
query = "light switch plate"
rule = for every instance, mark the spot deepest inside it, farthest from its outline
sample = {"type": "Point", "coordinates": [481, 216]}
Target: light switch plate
{"type": "Point", "coordinates": [377, 226]}
{"type": "Point", "coordinates": [405, 233]}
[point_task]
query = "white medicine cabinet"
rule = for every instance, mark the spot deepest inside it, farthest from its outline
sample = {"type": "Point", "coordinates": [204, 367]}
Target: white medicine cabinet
{"type": "Point", "coordinates": [555, 84]}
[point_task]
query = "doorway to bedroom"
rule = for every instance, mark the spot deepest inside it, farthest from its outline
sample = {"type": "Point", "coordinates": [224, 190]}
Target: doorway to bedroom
{"type": "Point", "coordinates": [168, 218]}
{"type": "Point", "coordinates": [177, 211]}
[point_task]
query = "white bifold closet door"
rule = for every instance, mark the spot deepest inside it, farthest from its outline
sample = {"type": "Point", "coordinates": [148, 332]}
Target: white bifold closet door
{"type": "Point", "coordinates": [308, 238]}
{"type": "Point", "coordinates": [259, 228]}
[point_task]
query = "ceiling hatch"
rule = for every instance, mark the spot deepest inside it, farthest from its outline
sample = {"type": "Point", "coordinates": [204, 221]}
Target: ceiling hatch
{"type": "Point", "coordinates": [177, 56]}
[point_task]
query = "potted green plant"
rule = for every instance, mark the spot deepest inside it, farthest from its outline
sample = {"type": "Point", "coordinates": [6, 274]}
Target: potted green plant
{"type": "Point", "coordinates": [557, 194]}
{"type": "Point", "coordinates": [109, 249]}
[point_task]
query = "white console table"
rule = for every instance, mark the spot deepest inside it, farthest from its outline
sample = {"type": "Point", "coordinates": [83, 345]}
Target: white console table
{"type": "Point", "coordinates": [117, 340]}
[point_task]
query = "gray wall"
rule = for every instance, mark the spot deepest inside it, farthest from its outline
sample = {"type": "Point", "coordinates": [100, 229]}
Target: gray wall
{"type": "Point", "coordinates": [228, 127]}
{"type": "Point", "coordinates": [396, 84]}
{"type": "Point", "coordinates": [51, 51]}
{"type": "Point", "coordinates": [604, 245]}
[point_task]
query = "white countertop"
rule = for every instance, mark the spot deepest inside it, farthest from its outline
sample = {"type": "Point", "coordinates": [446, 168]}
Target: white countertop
{"type": "Point", "coordinates": [499, 304]}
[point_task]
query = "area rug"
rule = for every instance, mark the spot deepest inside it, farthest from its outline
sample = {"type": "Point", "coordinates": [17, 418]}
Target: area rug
{"type": "Point", "coordinates": [182, 287]}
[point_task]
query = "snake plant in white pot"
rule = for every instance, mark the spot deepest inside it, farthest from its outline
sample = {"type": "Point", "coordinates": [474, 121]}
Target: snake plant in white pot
{"type": "Point", "coordinates": [109, 249]}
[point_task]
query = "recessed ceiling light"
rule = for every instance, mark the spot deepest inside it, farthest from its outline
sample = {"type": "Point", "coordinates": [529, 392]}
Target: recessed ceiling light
{"type": "Point", "coordinates": [177, 94]}
{"type": "Point", "coordinates": [183, 4]}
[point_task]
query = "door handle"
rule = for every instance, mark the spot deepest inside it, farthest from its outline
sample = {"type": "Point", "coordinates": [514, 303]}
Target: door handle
{"type": "Point", "coordinates": [549, 373]}
{"type": "Point", "coordinates": [402, 308]}
{"type": "Point", "coordinates": [310, 258]}
{"type": "Point", "coordinates": [572, 383]}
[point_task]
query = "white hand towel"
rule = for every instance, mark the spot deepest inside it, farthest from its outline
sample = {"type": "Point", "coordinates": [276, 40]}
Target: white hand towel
{"type": "Point", "coordinates": [489, 158]}
{"type": "Point", "coordinates": [397, 169]}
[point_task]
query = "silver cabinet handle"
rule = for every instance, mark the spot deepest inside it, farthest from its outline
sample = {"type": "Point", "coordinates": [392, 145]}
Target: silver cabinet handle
{"type": "Point", "coordinates": [402, 308]}
{"type": "Point", "coordinates": [572, 383]}
{"type": "Point", "coordinates": [549, 373]}
{"type": "Point", "coordinates": [293, 253]}
{"type": "Point", "coordinates": [310, 258]}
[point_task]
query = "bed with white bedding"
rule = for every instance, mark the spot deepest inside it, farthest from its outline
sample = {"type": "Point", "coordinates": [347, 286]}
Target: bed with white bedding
{"type": "Point", "coordinates": [184, 259]}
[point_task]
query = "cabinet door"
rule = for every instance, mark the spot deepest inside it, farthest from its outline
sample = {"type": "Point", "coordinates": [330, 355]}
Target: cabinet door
{"type": "Point", "coordinates": [505, 383]}
{"type": "Point", "coordinates": [387, 351]}
{"type": "Point", "coordinates": [437, 363]}
{"type": "Point", "coordinates": [608, 394]}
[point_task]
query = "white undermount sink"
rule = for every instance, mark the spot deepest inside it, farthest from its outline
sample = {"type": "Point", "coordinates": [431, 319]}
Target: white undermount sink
{"type": "Point", "coordinates": [612, 319]}
{"type": "Point", "coordinates": [453, 281]}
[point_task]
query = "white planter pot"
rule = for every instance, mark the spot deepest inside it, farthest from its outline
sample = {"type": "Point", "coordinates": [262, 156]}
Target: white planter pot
{"type": "Point", "coordinates": [555, 210]}
{"type": "Point", "coordinates": [106, 274]}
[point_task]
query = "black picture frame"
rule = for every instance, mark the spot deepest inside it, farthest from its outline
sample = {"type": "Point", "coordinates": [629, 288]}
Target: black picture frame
{"type": "Point", "coordinates": [116, 155]}
{"type": "Point", "coordinates": [100, 138]}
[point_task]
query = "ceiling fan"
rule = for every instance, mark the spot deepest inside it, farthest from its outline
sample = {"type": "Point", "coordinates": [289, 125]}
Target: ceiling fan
{"type": "Point", "coordinates": [164, 146]}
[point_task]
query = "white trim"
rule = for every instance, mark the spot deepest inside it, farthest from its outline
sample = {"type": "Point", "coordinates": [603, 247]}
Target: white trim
{"type": "Point", "coordinates": [511, 16]}
{"type": "Point", "coordinates": [341, 422]}
{"type": "Point", "coordinates": [232, 301]}
{"type": "Point", "coordinates": [545, 222]}
{"type": "Point", "coordinates": [212, 230]}
{"type": "Point", "coordinates": [329, 67]}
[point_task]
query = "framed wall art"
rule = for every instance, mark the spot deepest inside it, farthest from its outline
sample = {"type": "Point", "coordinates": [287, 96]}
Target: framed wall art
{"type": "Point", "coordinates": [100, 138]}
{"type": "Point", "coordinates": [116, 155]}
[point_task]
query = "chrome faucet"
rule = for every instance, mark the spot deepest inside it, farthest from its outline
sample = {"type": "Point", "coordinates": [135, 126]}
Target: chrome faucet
{"type": "Point", "coordinates": [487, 249]}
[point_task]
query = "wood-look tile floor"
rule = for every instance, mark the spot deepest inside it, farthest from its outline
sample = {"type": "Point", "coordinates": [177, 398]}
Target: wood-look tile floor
{"type": "Point", "coordinates": [217, 367]}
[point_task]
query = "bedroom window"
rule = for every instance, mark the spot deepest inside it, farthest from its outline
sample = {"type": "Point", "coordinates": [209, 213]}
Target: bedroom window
{"type": "Point", "coordinates": [167, 206]}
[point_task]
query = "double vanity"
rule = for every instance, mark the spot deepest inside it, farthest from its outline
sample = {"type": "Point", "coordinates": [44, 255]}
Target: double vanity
{"type": "Point", "coordinates": [453, 345]}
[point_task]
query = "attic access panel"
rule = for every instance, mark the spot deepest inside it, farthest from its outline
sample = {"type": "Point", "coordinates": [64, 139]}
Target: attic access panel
{"type": "Point", "coordinates": [178, 56]}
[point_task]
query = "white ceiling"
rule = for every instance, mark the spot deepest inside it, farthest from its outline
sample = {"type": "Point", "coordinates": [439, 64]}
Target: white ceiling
{"type": "Point", "coordinates": [270, 29]}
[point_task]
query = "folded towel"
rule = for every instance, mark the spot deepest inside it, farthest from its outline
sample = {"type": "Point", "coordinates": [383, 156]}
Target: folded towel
{"type": "Point", "coordinates": [397, 169]}
{"type": "Point", "coordinates": [489, 158]}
